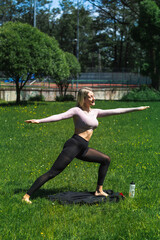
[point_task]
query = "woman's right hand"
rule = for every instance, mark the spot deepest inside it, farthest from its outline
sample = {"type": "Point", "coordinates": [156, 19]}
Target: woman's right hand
{"type": "Point", "coordinates": [32, 121]}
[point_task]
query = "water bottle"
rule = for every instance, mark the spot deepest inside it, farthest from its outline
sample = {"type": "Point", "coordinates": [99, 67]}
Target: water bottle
{"type": "Point", "coordinates": [132, 189]}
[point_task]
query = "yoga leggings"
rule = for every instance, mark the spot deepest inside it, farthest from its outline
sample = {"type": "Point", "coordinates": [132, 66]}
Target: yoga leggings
{"type": "Point", "coordinates": [74, 147]}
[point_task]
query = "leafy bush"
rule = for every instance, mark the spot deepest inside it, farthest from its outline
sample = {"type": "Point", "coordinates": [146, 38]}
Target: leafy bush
{"type": "Point", "coordinates": [64, 98]}
{"type": "Point", "coordinates": [37, 98]}
{"type": "Point", "coordinates": [144, 93]}
{"type": "Point", "coordinates": [26, 50]}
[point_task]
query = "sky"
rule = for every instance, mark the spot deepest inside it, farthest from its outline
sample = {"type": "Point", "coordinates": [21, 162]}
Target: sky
{"type": "Point", "coordinates": [55, 3]}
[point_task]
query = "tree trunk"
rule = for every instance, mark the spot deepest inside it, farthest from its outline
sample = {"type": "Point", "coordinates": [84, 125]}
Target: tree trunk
{"type": "Point", "coordinates": [155, 71]}
{"type": "Point", "coordinates": [120, 64]}
{"type": "Point", "coordinates": [126, 55]}
{"type": "Point", "coordinates": [156, 81]}
{"type": "Point", "coordinates": [115, 47]}
{"type": "Point", "coordinates": [18, 91]}
{"type": "Point", "coordinates": [65, 89]}
{"type": "Point", "coordinates": [159, 84]}
{"type": "Point", "coordinates": [18, 95]}
{"type": "Point", "coordinates": [61, 89]}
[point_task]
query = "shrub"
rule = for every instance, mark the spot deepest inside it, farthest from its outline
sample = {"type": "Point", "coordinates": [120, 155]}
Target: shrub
{"type": "Point", "coordinates": [25, 50]}
{"type": "Point", "coordinates": [65, 98]}
{"type": "Point", "coordinates": [144, 93]}
{"type": "Point", "coordinates": [37, 98]}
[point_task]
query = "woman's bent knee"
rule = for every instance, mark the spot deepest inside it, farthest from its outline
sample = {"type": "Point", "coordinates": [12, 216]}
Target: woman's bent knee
{"type": "Point", "coordinates": [107, 160]}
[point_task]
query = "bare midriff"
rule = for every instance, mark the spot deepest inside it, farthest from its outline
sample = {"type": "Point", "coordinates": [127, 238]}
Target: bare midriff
{"type": "Point", "coordinates": [86, 134]}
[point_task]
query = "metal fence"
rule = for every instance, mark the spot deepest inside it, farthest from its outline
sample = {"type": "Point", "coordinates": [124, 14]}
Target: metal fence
{"type": "Point", "coordinates": [90, 79]}
{"type": "Point", "coordinates": [111, 79]}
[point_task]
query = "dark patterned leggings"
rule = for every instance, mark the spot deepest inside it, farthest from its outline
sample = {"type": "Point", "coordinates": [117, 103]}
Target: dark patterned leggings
{"type": "Point", "coordinates": [74, 147]}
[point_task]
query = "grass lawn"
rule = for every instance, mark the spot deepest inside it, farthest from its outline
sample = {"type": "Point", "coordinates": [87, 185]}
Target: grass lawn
{"type": "Point", "coordinates": [28, 150]}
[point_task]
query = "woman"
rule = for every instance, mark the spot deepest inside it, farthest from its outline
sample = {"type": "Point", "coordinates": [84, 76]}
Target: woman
{"type": "Point", "coordinates": [85, 121]}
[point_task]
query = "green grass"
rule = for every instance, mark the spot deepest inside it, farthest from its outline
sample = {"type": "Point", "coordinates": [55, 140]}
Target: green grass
{"type": "Point", "coordinates": [26, 151]}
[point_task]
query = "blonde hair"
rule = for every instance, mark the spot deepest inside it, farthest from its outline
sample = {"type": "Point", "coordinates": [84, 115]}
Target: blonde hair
{"type": "Point", "coordinates": [82, 94]}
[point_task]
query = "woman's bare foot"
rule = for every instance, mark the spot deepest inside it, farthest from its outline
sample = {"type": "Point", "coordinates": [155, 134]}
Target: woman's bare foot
{"type": "Point", "coordinates": [98, 193]}
{"type": "Point", "coordinates": [26, 199]}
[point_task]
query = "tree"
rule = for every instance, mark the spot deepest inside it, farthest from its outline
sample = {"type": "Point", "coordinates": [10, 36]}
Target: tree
{"type": "Point", "coordinates": [147, 33]}
{"type": "Point", "coordinates": [7, 10]}
{"type": "Point", "coordinates": [112, 33]}
{"type": "Point", "coordinates": [65, 31]}
{"type": "Point", "coordinates": [105, 39]}
{"type": "Point", "coordinates": [74, 67]}
{"type": "Point", "coordinates": [25, 50]}
{"type": "Point", "coordinates": [74, 70]}
{"type": "Point", "coordinates": [23, 11]}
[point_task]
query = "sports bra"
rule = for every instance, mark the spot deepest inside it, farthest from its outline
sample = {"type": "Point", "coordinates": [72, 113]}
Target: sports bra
{"type": "Point", "coordinates": [86, 120]}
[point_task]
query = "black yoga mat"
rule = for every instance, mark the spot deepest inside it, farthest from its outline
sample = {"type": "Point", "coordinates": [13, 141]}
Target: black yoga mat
{"type": "Point", "coordinates": [86, 197]}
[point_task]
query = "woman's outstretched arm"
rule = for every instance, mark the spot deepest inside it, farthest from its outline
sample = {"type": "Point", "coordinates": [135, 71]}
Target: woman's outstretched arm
{"type": "Point", "coordinates": [109, 112]}
{"type": "Point", "coordinates": [54, 118]}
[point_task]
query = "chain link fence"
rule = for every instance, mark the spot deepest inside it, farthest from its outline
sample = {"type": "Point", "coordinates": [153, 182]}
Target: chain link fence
{"type": "Point", "coordinates": [111, 79]}
{"type": "Point", "coordinates": [106, 79]}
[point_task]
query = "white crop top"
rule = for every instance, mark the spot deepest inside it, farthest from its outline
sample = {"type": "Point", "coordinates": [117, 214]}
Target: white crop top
{"type": "Point", "coordinates": [86, 120]}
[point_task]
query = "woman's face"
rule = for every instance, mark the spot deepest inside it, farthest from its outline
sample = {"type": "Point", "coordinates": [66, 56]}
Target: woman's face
{"type": "Point", "coordinates": [89, 100]}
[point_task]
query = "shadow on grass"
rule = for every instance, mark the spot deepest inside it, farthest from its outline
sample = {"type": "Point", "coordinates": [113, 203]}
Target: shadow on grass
{"type": "Point", "coordinates": [23, 103]}
{"type": "Point", "coordinates": [138, 100]}
{"type": "Point", "coordinates": [44, 193]}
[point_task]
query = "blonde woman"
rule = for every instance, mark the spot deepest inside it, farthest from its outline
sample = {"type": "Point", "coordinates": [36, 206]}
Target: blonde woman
{"type": "Point", "coordinates": [85, 121]}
